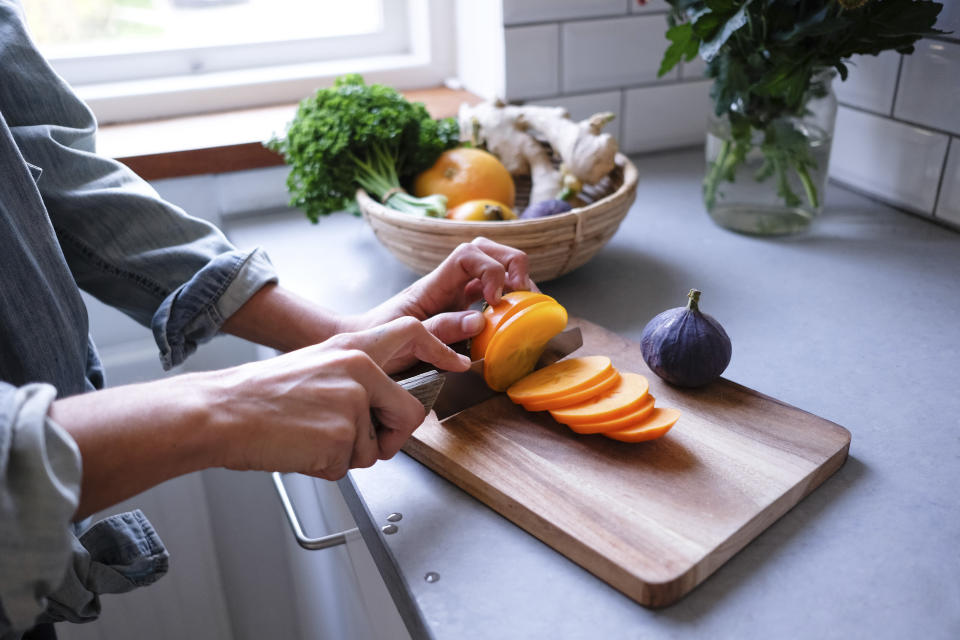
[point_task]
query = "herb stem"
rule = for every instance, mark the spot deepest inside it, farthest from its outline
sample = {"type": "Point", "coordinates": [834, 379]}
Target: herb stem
{"type": "Point", "coordinates": [712, 179]}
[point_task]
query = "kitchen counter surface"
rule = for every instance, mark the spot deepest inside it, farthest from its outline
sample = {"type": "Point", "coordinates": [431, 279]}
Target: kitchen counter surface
{"type": "Point", "coordinates": [857, 321]}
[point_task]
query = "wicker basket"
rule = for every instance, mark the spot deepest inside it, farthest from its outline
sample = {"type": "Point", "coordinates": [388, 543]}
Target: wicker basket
{"type": "Point", "coordinates": [555, 244]}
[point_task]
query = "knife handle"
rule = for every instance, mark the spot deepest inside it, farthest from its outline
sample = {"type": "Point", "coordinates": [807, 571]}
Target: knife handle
{"type": "Point", "coordinates": [425, 387]}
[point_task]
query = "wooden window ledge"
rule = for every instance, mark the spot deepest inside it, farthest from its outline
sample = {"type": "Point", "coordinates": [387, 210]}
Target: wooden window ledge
{"type": "Point", "coordinates": [226, 141]}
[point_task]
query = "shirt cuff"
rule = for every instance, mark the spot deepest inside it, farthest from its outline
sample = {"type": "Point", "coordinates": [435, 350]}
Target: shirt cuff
{"type": "Point", "coordinates": [196, 311]}
{"type": "Point", "coordinates": [115, 555]}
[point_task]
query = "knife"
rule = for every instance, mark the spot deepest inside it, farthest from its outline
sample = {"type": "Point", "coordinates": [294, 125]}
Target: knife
{"type": "Point", "coordinates": [451, 392]}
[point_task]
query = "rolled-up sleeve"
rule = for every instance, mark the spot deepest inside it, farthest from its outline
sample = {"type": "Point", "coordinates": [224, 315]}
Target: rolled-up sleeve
{"type": "Point", "coordinates": [50, 568]}
{"type": "Point", "coordinates": [123, 243]}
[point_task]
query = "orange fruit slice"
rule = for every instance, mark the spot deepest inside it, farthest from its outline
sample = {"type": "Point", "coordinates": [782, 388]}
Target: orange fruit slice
{"type": "Point", "coordinates": [619, 400]}
{"type": "Point", "coordinates": [653, 426]}
{"type": "Point", "coordinates": [560, 379]}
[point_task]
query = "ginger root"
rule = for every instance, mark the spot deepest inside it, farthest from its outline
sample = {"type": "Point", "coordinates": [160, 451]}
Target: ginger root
{"type": "Point", "coordinates": [513, 134]}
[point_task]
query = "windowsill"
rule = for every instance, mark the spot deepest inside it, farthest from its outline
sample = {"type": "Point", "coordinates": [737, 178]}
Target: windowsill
{"type": "Point", "coordinates": [226, 141]}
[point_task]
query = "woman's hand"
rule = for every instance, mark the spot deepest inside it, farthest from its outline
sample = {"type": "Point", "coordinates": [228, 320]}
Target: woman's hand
{"type": "Point", "coordinates": [310, 410]}
{"type": "Point", "coordinates": [307, 411]}
{"type": "Point", "coordinates": [475, 270]}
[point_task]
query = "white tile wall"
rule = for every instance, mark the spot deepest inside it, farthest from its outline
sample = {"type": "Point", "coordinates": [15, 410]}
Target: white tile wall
{"type": "Point", "coordinates": [871, 83]}
{"type": "Point", "coordinates": [929, 92]}
{"type": "Point", "coordinates": [665, 117]}
{"type": "Point", "coordinates": [694, 69]}
{"type": "Point", "coordinates": [585, 105]}
{"type": "Point", "coordinates": [896, 161]}
{"type": "Point", "coordinates": [608, 53]}
{"type": "Point", "coordinates": [520, 11]}
{"type": "Point", "coordinates": [648, 6]}
{"type": "Point", "coordinates": [948, 206]}
{"type": "Point", "coordinates": [532, 61]}
{"type": "Point", "coordinates": [893, 131]}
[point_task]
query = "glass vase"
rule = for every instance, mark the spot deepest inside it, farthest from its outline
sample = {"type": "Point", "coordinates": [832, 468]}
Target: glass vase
{"type": "Point", "coordinates": [772, 181]}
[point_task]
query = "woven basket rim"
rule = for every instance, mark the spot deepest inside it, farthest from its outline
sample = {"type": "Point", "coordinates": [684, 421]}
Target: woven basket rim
{"type": "Point", "coordinates": [370, 206]}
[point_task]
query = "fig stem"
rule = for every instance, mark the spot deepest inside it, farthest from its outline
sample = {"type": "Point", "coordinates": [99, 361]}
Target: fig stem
{"type": "Point", "coordinates": [694, 300]}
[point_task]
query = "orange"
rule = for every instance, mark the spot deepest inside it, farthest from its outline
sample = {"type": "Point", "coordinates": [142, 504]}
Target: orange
{"type": "Point", "coordinates": [463, 174]}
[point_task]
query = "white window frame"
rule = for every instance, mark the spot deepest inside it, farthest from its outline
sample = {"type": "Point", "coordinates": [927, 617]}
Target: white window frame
{"type": "Point", "coordinates": [420, 54]}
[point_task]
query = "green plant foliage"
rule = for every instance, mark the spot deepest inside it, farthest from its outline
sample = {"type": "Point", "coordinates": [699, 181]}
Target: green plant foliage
{"type": "Point", "coordinates": [353, 135]}
{"type": "Point", "coordinates": [764, 55]}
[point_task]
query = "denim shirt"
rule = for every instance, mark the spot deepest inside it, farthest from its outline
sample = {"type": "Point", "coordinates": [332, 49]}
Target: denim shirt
{"type": "Point", "coordinates": [70, 219]}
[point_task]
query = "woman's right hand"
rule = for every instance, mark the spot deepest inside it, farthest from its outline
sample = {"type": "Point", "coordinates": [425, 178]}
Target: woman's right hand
{"type": "Point", "coordinates": [309, 411]}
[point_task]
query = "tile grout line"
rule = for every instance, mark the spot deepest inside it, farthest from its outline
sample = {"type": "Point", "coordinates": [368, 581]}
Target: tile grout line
{"type": "Point", "coordinates": [943, 175]}
{"type": "Point", "coordinates": [896, 86]}
{"type": "Point", "coordinates": [910, 123]}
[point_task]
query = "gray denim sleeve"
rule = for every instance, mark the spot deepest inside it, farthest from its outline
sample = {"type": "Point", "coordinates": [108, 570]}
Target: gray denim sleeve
{"type": "Point", "coordinates": [123, 243]}
{"type": "Point", "coordinates": [50, 568]}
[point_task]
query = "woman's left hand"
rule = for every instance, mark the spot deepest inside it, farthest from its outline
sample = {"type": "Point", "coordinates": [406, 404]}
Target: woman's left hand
{"type": "Point", "coordinates": [479, 269]}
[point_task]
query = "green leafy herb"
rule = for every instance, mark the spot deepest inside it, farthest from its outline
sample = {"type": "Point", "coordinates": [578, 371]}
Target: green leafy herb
{"type": "Point", "coordinates": [766, 59]}
{"type": "Point", "coordinates": [354, 135]}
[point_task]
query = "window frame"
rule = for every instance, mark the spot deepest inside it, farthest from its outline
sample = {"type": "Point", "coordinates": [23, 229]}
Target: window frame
{"type": "Point", "coordinates": [419, 54]}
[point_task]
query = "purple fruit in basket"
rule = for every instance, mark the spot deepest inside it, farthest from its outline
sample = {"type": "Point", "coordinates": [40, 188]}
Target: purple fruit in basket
{"type": "Point", "coordinates": [685, 346]}
{"type": "Point", "coordinates": [545, 208]}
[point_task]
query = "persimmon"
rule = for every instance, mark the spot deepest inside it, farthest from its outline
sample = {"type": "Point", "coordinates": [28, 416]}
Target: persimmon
{"type": "Point", "coordinates": [495, 315]}
{"type": "Point", "coordinates": [519, 342]}
{"type": "Point", "coordinates": [463, 174]}
{"type": "Point", "coordinates": [576, 397]}
{"type": "Point", "coordinates": [560, 379]}
{"type": "Point", "coordinates": [621, 399]}
{"type": "Point", "coordinates": [626, 421]}
{"type": "Point", "coordinates": [653, 426]}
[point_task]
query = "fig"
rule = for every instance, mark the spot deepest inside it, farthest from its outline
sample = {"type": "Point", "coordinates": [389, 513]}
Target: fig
{"type": "Point", "coordinates": [545, 208]}
{"type": "Point", "coordinates": [685, 346]}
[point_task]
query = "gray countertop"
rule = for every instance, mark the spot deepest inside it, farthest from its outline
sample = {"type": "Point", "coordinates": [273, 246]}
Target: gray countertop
{"type": "Point", "coordinates": [857, 321]}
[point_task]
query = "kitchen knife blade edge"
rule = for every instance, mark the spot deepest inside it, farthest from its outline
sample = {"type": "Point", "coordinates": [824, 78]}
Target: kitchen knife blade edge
{"type": "Point", "coordinates": [463, 389]}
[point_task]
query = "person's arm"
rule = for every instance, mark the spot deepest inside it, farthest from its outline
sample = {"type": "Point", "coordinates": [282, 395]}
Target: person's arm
{"type": "Point", "coordinates": [277, 318]}
{"type": "Point", "coordinates": [123, 243]}
{"type": "Point", "coordinates": [307, 411]}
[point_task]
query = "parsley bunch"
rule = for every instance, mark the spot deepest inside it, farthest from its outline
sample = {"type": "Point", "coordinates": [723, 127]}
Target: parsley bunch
{"type": "Point", "coordinates": [354, 135]}
{"type": "Point", "coordinates": [765, 56]}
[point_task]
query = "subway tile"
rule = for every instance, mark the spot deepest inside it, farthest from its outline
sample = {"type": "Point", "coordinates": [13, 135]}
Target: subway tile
{"type": "Point", "coordinates": [929, 92]}
{"type": "Point", "coordinates": [694, 69]}
{"type": "Point", "coordinates": [948, 205]}
{"type": "Point", "coordinates": [585, 105]}
{"type": "Point", "coordinates": [603, 54]}
{"type": "Point", "coordinates": [664, 117]}
{"type": "Point", "coordinates": [521, 11]}
{"type": "Point", "coordinates": [871, 83]}
{"type": "Point", "coordinates": [531, 61]}
{"type": "Point", "coordinates": [895, 161]}
{"type": "Point", "coordinates": [650, 6]}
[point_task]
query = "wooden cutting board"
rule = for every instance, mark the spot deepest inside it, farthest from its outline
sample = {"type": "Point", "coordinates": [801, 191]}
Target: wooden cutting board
{"type": "Point", "coordinates": [652, 519]}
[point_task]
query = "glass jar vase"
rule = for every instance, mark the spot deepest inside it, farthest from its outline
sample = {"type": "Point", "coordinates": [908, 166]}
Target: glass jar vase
{"type": "Point", "coordinates": [771, 181]}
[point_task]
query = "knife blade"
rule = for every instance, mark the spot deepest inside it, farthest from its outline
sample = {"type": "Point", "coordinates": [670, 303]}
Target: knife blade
{"type": "Point", "coordinates": [459, 390]}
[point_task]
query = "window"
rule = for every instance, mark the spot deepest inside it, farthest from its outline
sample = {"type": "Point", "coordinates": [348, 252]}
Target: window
{"type": "Point", "coordinates": [134, 59]}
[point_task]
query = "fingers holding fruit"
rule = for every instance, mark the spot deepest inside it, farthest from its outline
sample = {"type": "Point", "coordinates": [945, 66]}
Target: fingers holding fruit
{"type": "Point", "coordinates": [401, 342]}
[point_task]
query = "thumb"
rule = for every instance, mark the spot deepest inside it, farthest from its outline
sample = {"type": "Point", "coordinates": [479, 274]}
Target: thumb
{"type": "Point", "coordinates": [455, 326]}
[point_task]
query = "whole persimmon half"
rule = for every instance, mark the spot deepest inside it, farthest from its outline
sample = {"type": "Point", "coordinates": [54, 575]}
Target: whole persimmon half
{"type": "Point", "coordinates": [463, 174]}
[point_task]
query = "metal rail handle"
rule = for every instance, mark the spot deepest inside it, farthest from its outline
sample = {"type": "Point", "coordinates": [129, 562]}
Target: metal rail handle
{"type": "Point", "coordinates": [324, 542]}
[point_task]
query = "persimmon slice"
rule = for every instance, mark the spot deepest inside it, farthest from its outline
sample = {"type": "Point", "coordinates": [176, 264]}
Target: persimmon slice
{"type": "Point", "coordinates": [517, 345]}
{"type": "Point", "coordinates": [496, 315]}
{"type": "Point", "coordinates": [576, 397]}
{"type": "Point", "coordinates": [560, 379]}
{"type": "Point", "coordinates": [653, 426]}
{"type": "Point", "coordinates": [622, 422]}
{"type": "Point", "coordinates": [619, 400]}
